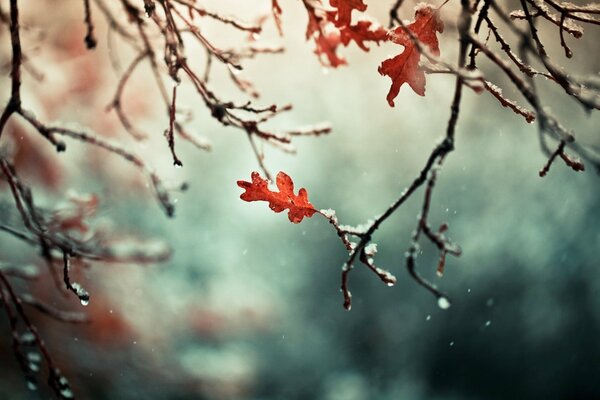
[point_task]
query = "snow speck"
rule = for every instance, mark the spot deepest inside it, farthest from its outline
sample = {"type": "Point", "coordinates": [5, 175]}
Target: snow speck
{"type": "Point", "coordinates": [443, 303]}
{"type": "Point", "coordinates": [328, 213]}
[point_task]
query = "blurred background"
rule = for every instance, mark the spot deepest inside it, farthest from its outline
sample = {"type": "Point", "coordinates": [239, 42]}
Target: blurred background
{"type": "Point", "coordinates": [249, 305]}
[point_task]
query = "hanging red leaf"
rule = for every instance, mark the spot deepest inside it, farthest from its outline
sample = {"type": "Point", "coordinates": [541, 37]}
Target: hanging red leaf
{"type": "Point", "coordinates": [363, 31]}
{"type": "Point", "coordinates": [404, 68]}
{"type": "Point", "coordinates": [258, 190]}
{"type": "Point", "coordinates": [330, 29]}
{"type": "Point", "coordinates": [326, 49]}
{"type": "Point", "coordinates": [344, 10]}
{"type": "Point", "coordinates": [326, 37]}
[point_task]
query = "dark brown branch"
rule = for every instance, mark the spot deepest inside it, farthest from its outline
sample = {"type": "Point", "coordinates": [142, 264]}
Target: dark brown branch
{"type": "Point", "coordinates": [169, 132]}
{"type": "Point", "coordinates": [14, 103]}
{"type": "Point", "coordinates": [74, 287]}
{"type": "Point", "coordinates": [54, 313]}
{"type": "Point", "coordinates": [394, 19]}
{"type": "Point", "coordinates": [90, 39]}
{"type": "Point", "coordinates": [116, 104]}
{"type": "Point", "coordinates": [56, 381]}
{"type": "Point", "coordinates": [563, 43]}
{"type": "Point", "coordinates": [574, 164]}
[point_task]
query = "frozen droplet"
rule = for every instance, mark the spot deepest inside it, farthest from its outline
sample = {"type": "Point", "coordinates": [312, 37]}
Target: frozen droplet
{"type": "Point", "coordinates": [31, 385]}
{"type": "Point", "coordinates": [488, 323]}
{"type": "Point", "coordinates": [325, 71]}
{"type": "Point", "coordinates": [34, 357]}
{"type": "Point", "coordinates": [30, 271]}
{"type": "Point", "coordinates": [84, 296]}
{"type": "Point", "coordinates": [27, 338]}
{"type": "Point", "coordinates": [66, 393]}
{"type": "Point", "coordinates": [428, 318]}
{"type": "Point", "coordinates": [451, 344]}
{"type": "Point", "coordinates": [443, 303]}
{"type": "Point", "coordinates": [469, 290]}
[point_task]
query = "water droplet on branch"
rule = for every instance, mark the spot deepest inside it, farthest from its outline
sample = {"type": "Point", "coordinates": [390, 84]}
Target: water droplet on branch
{"type": "Point", "coordinates": [443, 303]}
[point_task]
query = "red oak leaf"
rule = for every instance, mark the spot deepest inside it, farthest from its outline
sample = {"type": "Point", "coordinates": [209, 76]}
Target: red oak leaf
{"type": "Point", "coordinates": [326, 46]}
{"type": "Point", "coordinates": [327, 39]}
{"type": "Point", "coordinates": [344, 10]}
{"type": "Point", "coordinates": [363, 31]}
{"type": "Point", "coordinates": [258, 190]}
{"type": "Point", "coordinates": [330, 29]}
{"type": "Point", "coordinates": [404, 68]}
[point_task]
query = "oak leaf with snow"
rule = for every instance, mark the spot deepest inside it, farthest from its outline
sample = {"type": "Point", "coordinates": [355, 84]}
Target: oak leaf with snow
{"type": "Point", "coordinates": [404, 68]}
